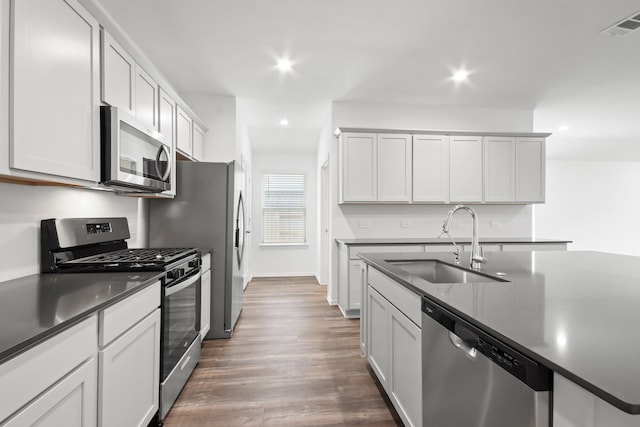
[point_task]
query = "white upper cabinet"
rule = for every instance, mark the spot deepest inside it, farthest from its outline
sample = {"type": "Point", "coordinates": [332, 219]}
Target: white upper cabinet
{"type": "Point", "coordinates": [184, 129]}
{"type": "Point", "coordinates": [359, 170]}
{"type": "Point", "coordinates": [394, 168]}
{"type": "Point", "coordinates": [430, 168]}
{"type": "Point", "coordinates": [55, 77]}
{"type": "Point", "coordinates": [198, 142]}
{"type": "Point", "coordinates": [465, 169]}
{"type": "Point", "coordinates": [530, 167]}
{"type": "Point", "coordinates": [447, 167]}
{"type": "Point", "coordinates": [126, 85]}
{"type": "Point", "coordinates": [376, 167]}
{"type": "Point", "coordinates": [118, 75]}
{"type": "Point", "coordinates": [146, 98]}
{"type": "Point", "coordinates": [499, 169]}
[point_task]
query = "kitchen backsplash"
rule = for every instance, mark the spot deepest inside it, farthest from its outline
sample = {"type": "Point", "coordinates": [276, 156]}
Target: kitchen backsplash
{"type": "Point", "coordinates": [363, 221]}
{"type": "Point", "coordinates": [24, 206]}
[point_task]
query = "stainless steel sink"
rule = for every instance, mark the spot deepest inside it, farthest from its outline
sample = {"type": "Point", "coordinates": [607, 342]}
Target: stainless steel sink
{"type": "Point", "coordinates": [435, 271]}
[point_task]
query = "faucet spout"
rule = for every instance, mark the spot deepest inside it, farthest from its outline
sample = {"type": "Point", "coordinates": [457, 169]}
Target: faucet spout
{"type": "Point", "coordinates": [477, 256]}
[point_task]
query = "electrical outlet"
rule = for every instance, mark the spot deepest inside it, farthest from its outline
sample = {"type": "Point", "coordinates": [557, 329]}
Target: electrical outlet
{"type": "Point", "coordinates": [364, 224]}
{"type": "Point", "coordinates": [496, 224]}
{"type": "Point", "coordinates": [405, 223]}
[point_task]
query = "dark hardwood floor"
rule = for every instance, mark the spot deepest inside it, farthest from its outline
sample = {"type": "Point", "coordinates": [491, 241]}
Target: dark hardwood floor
{"type": "Point", "coordinates": [293, 360]}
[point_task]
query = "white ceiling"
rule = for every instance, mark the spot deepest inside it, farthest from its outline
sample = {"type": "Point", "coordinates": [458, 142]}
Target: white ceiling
{"type": "Point", "coordinates": [543, 55]}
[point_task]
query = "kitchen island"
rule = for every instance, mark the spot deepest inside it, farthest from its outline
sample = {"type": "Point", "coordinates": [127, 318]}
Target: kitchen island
{"type": "Point", "coordinates": [574, 312]}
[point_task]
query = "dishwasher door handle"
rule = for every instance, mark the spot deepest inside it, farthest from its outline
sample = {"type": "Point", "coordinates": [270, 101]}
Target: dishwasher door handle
{"type": "Point", "coordinates": [469, 351]}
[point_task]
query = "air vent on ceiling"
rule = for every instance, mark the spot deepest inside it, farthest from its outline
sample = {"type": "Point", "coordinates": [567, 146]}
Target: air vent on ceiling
{"type": "Point", "coordinates": [624, 27]}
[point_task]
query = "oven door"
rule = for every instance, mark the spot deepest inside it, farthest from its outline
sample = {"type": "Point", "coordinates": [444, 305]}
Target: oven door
{"type": "Point", "coordinates": [181, 320]}
{"type": "Point", "coordinates": [133, 156]}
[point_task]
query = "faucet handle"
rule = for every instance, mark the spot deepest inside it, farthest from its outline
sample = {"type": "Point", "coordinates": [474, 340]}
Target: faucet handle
{"type": "Point", "coordinates": [480, 257]}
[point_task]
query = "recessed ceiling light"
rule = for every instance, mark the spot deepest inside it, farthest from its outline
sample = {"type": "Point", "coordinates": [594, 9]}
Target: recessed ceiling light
{"type": "Point", "coordinates": [284, 65]}
{"type": "Point", "coordinates": [460, 75]}
{"type": "Point", "coordinates": [284, 122]}
{"type": "Point", "coordinates": [563, 128]}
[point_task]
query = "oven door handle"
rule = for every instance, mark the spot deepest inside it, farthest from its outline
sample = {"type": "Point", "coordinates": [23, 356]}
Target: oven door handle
{"type": "Point", "coordinates": [180, 286]}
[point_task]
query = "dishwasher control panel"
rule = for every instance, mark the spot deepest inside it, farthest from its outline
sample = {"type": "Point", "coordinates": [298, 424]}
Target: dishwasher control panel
{"type": "Point", "coordinates": [535, 375]}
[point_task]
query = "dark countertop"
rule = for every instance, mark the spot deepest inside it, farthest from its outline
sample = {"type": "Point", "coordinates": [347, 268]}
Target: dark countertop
{"type": "Point", "coordinates": [36, 307]}
{"type": "Point", "coordinates": [445, 241]}
{"type": "Point", "coordinates": [575, 312]}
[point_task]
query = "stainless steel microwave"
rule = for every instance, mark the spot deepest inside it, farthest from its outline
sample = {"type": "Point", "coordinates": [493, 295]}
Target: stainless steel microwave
{"type": "Point", "coordinates": [134, 158]}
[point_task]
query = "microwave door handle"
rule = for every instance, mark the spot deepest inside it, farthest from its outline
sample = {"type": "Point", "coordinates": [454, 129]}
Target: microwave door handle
{"type": "Point", "coordinates": [163, 149]}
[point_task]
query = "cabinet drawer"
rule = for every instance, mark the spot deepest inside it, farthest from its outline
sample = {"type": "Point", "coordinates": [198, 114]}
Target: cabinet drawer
{"type": "Point", "coordinates": [356, 250]}
{"type": "Point", "coordinates": [206, 262]}
{"type": "Point", "coordinates": [117, 319]}
{"type": "Point", "coordinates": [27, 375]}
{"type": "Point", "coordinates": [402, 298]}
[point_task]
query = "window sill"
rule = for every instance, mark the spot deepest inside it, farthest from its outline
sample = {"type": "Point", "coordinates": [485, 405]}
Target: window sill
{"type": "Point", "coordinates": [284, 245]}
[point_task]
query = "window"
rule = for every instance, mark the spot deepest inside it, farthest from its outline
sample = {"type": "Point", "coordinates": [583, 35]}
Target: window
{"type": "Point", "coordinates": [284, 208]}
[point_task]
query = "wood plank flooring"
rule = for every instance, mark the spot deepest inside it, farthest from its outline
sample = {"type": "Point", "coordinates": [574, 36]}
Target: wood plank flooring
{"type": "Point", "coordinates": [293, 360]}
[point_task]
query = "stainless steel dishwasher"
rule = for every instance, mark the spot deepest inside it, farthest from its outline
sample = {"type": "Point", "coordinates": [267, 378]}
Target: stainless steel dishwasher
{"type": "Point", "coordinates": [470, 379]}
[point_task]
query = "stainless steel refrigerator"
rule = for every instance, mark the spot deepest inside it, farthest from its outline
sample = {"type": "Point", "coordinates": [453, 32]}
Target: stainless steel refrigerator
{"type": "Point", "coordinates": [207, 212]}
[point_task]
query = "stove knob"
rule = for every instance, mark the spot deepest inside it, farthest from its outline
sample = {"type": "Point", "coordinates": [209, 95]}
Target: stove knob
{"type": "Point", "coordinates": [175, 274]}
{"type": "Point", "coordinates": [194, 263]}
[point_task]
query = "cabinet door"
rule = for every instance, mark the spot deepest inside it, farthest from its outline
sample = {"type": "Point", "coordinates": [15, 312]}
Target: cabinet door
{"type": "Point", "coordinates": [356, 277]}
{"type": "Point", "coordinates": [394, 168]}
{"type": "Point", "coordinates": [198, 142]}
{"type": "Point", "coordinates": [363, 311]}
{"type": "Point", "coordinates": [430, 168]}
{"type": "Point", "coordinates": [55, 97]}
{"type": "Point", "coordinates": [167, 127]}
{"type": "Point", "coordinates": [499, 169]}
{"type": "Point", "coordinates": [465, 169]}
{"type": "Point", "coordinates": [118, 75]}
{"type": "Point", "coordinates": [405, 362]}
{"type": "Point", "coordinates": [146, 99]}
{"type": "Point", "coordinates": [129, 373]}
{"type": "Point", "coordinates": [359, 167]}
{"type": "Point", "coordinates": [378, 334]}
{"type": "Point", "coordinates": [71, 402]}
{"type": "Point", "coordinates": [205, 308]}
{"type": "Point", "coordinates": [183, 132]}
{"type": "Point", "coordinates": [530, 167]}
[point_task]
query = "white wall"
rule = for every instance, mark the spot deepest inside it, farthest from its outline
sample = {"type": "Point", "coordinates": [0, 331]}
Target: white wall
{"type": "Point", "coordinates": [24, 206]}
{"type": "Point", "coordinates": [219, 115]}
{"type": "Point", "coordinates": [284, 260]}
{"type": "Point", "coordinates": [384, 221]}
{"type": "Point", "coordinates": [593, 203]}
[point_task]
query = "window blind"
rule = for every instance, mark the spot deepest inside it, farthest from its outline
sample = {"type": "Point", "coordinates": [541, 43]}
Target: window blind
{"type": "Point", "coordinates": [284, 208]}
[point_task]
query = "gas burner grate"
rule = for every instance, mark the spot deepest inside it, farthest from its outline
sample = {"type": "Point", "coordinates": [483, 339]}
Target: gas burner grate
{"type": "Point", "coordinates": [160, 256]}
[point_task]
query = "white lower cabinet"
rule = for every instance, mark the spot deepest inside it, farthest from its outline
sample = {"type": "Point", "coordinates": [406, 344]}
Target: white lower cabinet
{"type": "Point", "coordinates": [378, 334]}
{"type": "Point", "coordinates": [356, 276]}
{"type": "Point", "coordinates": [405, 363]}
{"type": "Point", "coordinates": [51, 380]}
{"type": "Point", "coordinates": [103, 371]}
{"type": "Point", "coordinates": [205, 309]}
{"type": "Point", "coordinates": [129, 368]}
{"type": "Point", "coordinates": [394, 343]}
{"type": "Point", "coordinates": [72, 402]}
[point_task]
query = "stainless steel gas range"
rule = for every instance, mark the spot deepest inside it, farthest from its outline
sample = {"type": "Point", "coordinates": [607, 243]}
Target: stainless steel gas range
{"type": "Point", "coordinates": [71, 245]}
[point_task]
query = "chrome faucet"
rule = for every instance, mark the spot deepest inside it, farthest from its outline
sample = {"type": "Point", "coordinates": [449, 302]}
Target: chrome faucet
{"type": "Point", "coordinates": [477, 255]}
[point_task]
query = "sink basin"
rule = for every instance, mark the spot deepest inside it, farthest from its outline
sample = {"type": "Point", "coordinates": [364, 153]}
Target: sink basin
{"type": "Point", "coordinates": [435, 271]}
